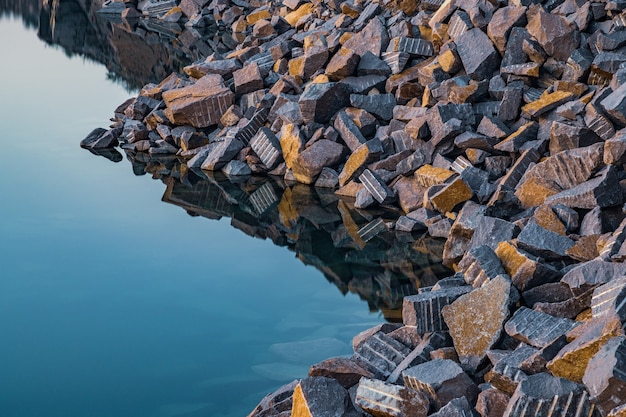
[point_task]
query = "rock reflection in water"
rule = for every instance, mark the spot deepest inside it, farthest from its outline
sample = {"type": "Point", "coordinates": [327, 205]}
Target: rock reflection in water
{"type": "Point", "coordinates": [135, 52]}
{"type": "Point", "coordinates": [324, 230]}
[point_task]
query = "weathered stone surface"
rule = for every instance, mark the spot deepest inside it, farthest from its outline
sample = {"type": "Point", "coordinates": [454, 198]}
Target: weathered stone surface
{"type": "Point", "coordinates": [507, 372]}
{"type": "Point", "coordinates": [526, 271]}
{"type": "Point", "coordinates": [480, 59]}
{"type": "Point", "coordinates": [319, 102]}
{"type": "Point", "coordinates": [608, 299]}
{"type": "Point", "coordinates": [349, 131]}
{"type": "Point", "coordinates": [591, 274]}
{"type": "Point", "coordinates": [236, 168]}
{"type": "Point", "coordinates": [382, 400]}
{"type": "Point", "coordinates": [566, 136]}
{"type": "Point", "coordinates": [501, 23]}
{"type": "Point", "coordinates": [428, 175]}
{"type": "Point", "coordinates": [280, 401]}
{"type": "Point", "coordinates": [596, 192]}
{"type": "Point", "coordinates": [343, 370]}
{"type": "Point", "coordinates": [442, 380]}
{"type": "Point", "coordinates": [319, 396]}
{"type": "Point", "coordinates": [615, 105]}
{"type": "Point", "coordinates": [311, 161]}
{"type": "Point", "coordinates": [217, 154]}
{"type": "Point", "coordinates": [475, 320]}
{"type": "Point", "coordinates": [605, 377]}
{"type": "Point", "coordinates": [373, 38]}
{"type": "Point", "coordinates": [491, 231]}
{"type": "Point", "coordinates": [291, 143]}
{"type": "Point", "coordinates": [451, 194]}
{"type": "Point", "coordinates": [554, 33]}
{"type": "Point", "coordinates": [571, 361]}
{"type": "Point", "coordinates": [536, 328]}
{"type": "Point", "coordinates": [381, 105]}
{"type": "Point", "coordinates": [199, 105]}
{"type": "Point", "coordinates": [542, 242]}
{"type": "Point", "coordinates": [461, 232]}
{"type": "Point", "coordinates": [247, 79]}
{"type": "Point", "coordinates": [359, 159]}
{"type": "Point", "coordinates": [492, 402]}
{"type": "Point", "coordinates": [377, 187]}
{"type": "Point", "coordinates": [545, 395]}
{"type": "Point", "coordinates": [342, 64]}
{"type": "Point", "coordinates": [380, 355]}
{"type": "Point", "coordinates": [99, 139]}
{"type": "Point", "coordinates": [480, 265]}
{"type": "Point", "coordinates": [424, 310]}
{"type": "Point", "coordinates": [267, 147]}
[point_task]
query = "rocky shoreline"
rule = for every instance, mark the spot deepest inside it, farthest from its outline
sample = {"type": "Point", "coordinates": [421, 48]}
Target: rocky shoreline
{"type": "Point", "coordinates": [498, 126]}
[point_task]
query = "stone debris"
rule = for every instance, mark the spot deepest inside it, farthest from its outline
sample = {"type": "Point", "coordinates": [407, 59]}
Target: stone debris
{"type": "Point", "coordinates": [488, 136]}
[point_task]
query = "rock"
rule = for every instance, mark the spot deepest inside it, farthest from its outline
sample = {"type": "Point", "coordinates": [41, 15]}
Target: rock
{"type": "Point", "coordinates": [363, 155]}
{"type": "Point", "coordinates": [217, 154]}
{"type": "Point", "coordinates": [571, 361]}
{"type": "Point", "coordinates": [450, 194]}
{"type": "Point", "coordinates": [615, 105]}
{"type": "Point", "coordinates": [383, 400]}
{"type": "Point", "coordinates": [565, 136]}
{"type": "Point", "coordinates": [491, 231]}
{"type": "Point", "coordinates": [291, 143]}
{"type": "Point", "coordinates": [475, 320]}
{"type": "Point", "coordinates": [343, 370]}
{"type": "Point", "coordinates": [526, 271]}
{"type": "Point", "coordinates": [380, 105]}
{"type": "Point", "coordinates": [596, 192]}
{"type": "Point", "coordinates": [555, 34]}
{"type": "Point", "coordinates": [480, 265]}
{"type": "Point", "coordinates": [608, 299]}
{"type": "Point", "coordinates": [424, 310]}
{"type": "Point", "coordinates": [542, 242]}
{"type": "Point", "coordinates": [604, 376]}
{"type": "Point", "coordinates": [492, 402]}
{"type": "Point", "coordinates": [377, 188]}
{"type": "Point", "coordinates": [591, 274]}
{"type": "Point", "coordinates": [342, 64]}
{"type": "Point", "coordinates": [501, 23]}
{"type": "Point", "coordinates": [506, 373]}
{"type": "Point", "coordinates": [311, 161]}
{"type": "Point", "coordinates": [247, 79]}
{"type": "Point", "coordinates": [236, 168]}
{"type": "Point", "coordinates": [319, 396]}
{"type": "Point", "coordinates": [536, 328]}
{"type": "Point", "coordinates": [373, 38]}
{"type": "Point", "coordinates": [461, 232]}
{"type": "Point", "coordinates": [99, 139]}
{"type": "Point", "coordinates": [348, 131]}
{"type": "Point", "coordinates": [427, 175]}
{"type": "Point", "coordinates": [249, 129]}
{"type": "Point", "coordinates": [319, 102]}
{"type": "Point", "coordinates": [277, 402]}
{"type": "Point", "coordinates": [267, 147]}
{"type": "Point", "coordinates": [201, 104]}
{"type": "Point", "coordinates": [546, 395]}
{"type": "Point", "coordinates": [546, 103]}
{"type": "Point", "coordinates": [480, 59]}
{"type": "Point", "coordinates": [458, 407]}
{"type": "Point", "coordinates": [442, 380]}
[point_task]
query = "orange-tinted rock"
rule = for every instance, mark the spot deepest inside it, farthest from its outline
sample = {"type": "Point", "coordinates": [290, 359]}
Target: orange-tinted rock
{"type": "Point", "coordinates": [475, 320]}
{"type": "Point", "coordinates": [428, 175]}
{"type": "Point", "coordinates": [572, 360]}
{"type": "Point", "coordinates": [450, 195]}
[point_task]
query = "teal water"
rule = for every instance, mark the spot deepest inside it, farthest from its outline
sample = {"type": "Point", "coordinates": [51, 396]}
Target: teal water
{"type": "Point", "coordinates": [114, 304]}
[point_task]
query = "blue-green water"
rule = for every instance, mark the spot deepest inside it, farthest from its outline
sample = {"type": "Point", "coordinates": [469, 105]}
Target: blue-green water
{"type": "Point", "coordinates": [114, 304]}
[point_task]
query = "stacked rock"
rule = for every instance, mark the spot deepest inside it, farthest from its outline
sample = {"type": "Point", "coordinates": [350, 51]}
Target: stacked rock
{"type": "Point", "coordinates": [499, 125]}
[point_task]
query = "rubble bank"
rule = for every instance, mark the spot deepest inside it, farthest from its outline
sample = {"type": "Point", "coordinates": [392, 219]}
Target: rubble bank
{"type": "Point", "coordinates": [498, 126]}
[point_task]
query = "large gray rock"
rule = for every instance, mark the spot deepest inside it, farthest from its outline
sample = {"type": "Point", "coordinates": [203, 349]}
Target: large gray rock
{"type": "Point", "coordinates": [424, 310]}
{"type": "Point", "coordinates": [480, 59]}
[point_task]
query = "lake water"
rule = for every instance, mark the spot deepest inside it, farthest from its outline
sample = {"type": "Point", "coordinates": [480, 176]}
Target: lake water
{"type": "Point", "coordinates": [113, 303]}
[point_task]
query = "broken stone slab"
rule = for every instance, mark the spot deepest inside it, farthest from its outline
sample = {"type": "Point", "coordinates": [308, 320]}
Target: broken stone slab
{"type": "Point", "coordinates": [615, 105]}
{"type": "Point", "coordinates": [480, 58]}
{"type": "Point", "coordinates": [357, 162]}
{"type": "Point", "coordinates": [267, 147]}
{"type": "Point", "coordinates": [555, 34]}
{"type": "Point", "coordinates": [492, 402]}
{"type": "Point", "coordinates": [571, 361]}
{"type": "Point", "coordinates": [596, 192]}
{"type": "Point", "coordinates": [99, 139]}
{"type": "Point", "coordinates": [591, 274]}
{"type": "Point", "coordinates": [199, 105]}
{"type": "Point", "coordinates": [545, 395]}
{"type": "Point", "coordinates": [475, 320]}
{"type": "Point", "coordinates": [546, 103]}
{"type": "Point", "coordinates": [373, 38]}
{"type": "Point", "coordinates": [343, 370]}
{"type": "Point", "coordinates": [215, 155]}
{"type": "Point", "coordinates": [458, 407]}
{"type": "Point", "coordinates": [276, 402]}
{"type": "Point", "coordinates": [605, 376]}
{"type": "Point", "coordinates": [566, 136]}
{"type": "Point", "coordinates": [420, 353]}
{"type": "Point", "coordinates": [461, 232]}
{"type": "Point", "coordinates": [416, 47]}
{"type": "Point", "coordinates": [501, 23]}
{"type": "Point", "coordinates": [536, 328]}
{"type": "Point", "coordinates": [491, 231]}
{"type": "Point", "coordinates": [377, 187]}
{"type": "Point", "coordinates": [608, 299]}
{"type": "Point", "coordinates": [342, 64]}
{"type": "Point", "coordinates": [507, 372]}
{"type": "Point", "coordinates": [598, 122]}
{"type": "Point", "coordinates": [380, 355]}
{"type": "Point", "coordinates": [449, 195]}
{"type": "Point", "coordinates": [349, 131]}
{"type": "Point", "coordinates": [480, 265]}
{"type": "Point", "coordinates": [320, 102]}
{"type": "Point", "coordinates": [517, 139]}
{"type": "Point", "coordinates": [424, 310]}
{"type": "Point", "coordinates": [236, 168]}
{"type": "Point", "coordinates": [542, 242]}
{"type": "Point", "coordinates": [442, 380]}
{"type": "Point", "coordinates": [291, 143]}
{"type": "Point", "coordinates": [320, 396]}
{"type": "Point", "coordinates": [381, 105]}
{"type": "Point", "coordinates": [247, 79]}
{"type": "Point", "coordinates": [526, 271]}
{"type": "Point", "coordinates": [382, 399]}
{"type": "Point", "coordinates": [311, 161]}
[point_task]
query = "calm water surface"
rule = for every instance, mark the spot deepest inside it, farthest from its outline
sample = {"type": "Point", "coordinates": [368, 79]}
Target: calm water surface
{"type": "Point", "coordinates": [115, 304]}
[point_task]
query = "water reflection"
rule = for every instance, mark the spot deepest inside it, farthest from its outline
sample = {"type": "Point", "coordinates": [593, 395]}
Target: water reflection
{"type": "Point", "coordinates": [352, 248]}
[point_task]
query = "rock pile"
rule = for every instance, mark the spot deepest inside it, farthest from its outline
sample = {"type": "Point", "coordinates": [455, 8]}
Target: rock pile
{"type": "Point", "coordinates": [499, 126]}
